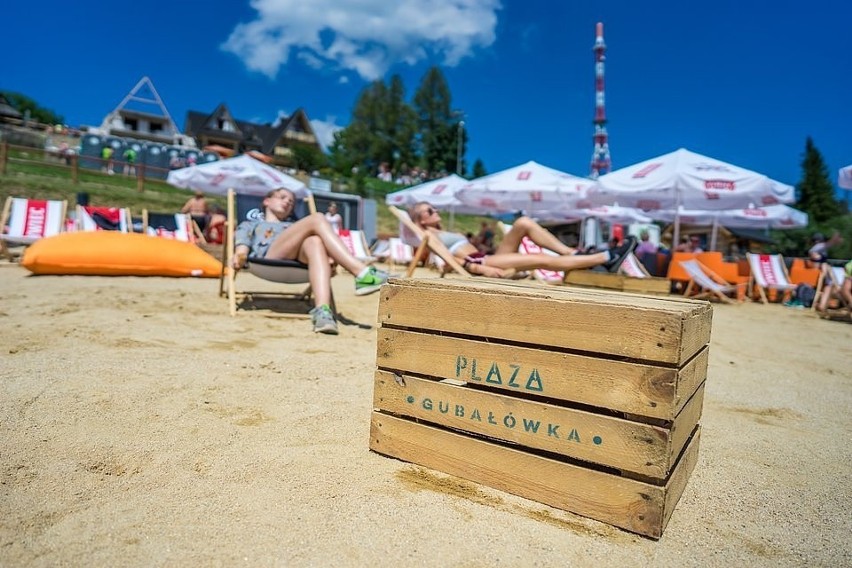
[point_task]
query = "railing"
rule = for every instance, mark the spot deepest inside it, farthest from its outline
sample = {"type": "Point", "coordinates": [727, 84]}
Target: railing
{"type": "Point", "coordinates": [71, 162]}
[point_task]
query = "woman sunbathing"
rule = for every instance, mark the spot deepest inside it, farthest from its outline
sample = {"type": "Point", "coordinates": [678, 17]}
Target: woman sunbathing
{"type": "Point", "coordinates": [506, 257]}
{"type": "Point", "coordinates": [311, 241]}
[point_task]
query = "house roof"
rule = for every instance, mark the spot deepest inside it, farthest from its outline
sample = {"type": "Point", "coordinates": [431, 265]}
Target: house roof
{"type": "Point", "coordinates": [8, 110]}
{"type": "Point", "coordinates": [264, 136]}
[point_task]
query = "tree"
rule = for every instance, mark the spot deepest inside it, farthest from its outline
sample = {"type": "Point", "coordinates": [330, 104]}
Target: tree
{"type": "Point", "coordinates": [401, 125]}
{"type": "Point", "coordinates": [479, 169]}
{"type": "Point", "coordinates": [816, 192]}
{"type": "Point", "coordinates": [438, 125]}
{"type": "Point", "coordinates": [23, 103]}
{"type": "Point", "coordinates": [308, 158]}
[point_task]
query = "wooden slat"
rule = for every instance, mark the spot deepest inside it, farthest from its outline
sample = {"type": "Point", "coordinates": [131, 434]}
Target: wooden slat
{"type": "Point", "coordinates": [630, 504]}
{"type": "Point", "coordinates": [622, 282]}
{"type": "Point", "coordinates": [598, 438]}
{"type": "Point", "coordinates": [653, 391]}
{"type": "Point", "coordinates": [624, 325]}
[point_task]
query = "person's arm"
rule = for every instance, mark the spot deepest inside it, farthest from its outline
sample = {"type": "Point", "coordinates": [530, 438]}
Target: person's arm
{"type": "Point", "coordinates": [242, 243]}
{"type": "Point", "coordinates": [186, 207]}
{"type": "Point", "coordinates": [835, 240]}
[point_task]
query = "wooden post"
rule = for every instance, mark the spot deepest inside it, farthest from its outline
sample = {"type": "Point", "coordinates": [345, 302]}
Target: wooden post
{"type": "Point", "coordinates": [4, 156]}
{"type": "Point", "coordinates": [140, 178]}
{"type": "Point", "coordinates": [75, 169]}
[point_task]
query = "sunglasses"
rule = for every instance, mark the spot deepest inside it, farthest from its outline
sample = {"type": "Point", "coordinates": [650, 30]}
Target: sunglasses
{"type": "Point", "coordinates": [428, 211]}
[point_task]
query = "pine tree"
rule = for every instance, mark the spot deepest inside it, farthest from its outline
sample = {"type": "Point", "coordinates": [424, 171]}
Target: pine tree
{"type": "Point", "coordinates": [23, 103]}
{"type": "Point", "coordinates": [438, 125]}
{"type": "Point", "coordinates": [816, 192]}
{"type": "Point", "coordinates": [479, 169]}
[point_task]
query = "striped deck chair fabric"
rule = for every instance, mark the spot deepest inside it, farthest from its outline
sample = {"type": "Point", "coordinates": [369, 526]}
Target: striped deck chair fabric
{"type": "Point", "coordinates": [92, 218]}
{"type": "Point", "coordinates": [24, 221]}
{"type": "Point", "coordinates": [177, 226]}
{"type": "Point", "coordinates": [710, 285]}
{"type": "Point", "coordinates": [633, 268]}
{"type": "Point", "coordinates": [768, 272]}
{"type": "Point", "coordinates": [527, 246]}
{"type": "Point", "coordinates": [356, 244]}
{"type": "Point", "coordinates": [399, 252]}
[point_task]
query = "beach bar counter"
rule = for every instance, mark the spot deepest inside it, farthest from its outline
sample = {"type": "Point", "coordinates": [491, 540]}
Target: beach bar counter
{"type": "Point", "coordinates": [584, 400]}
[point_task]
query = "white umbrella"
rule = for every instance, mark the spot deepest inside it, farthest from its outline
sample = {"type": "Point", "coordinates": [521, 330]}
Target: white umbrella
{"type": "Point", "coordinates": [689, 180]}
{"type": "Point", "coordinates": [844, 177]}
{"type": "Point", "coordinates": [243, 174]}
{"type": "Point", "coordinates": [610, 214]}
{"type": "Point", "coordinates": [530, 187]}
{"type": "Point", "coordinates": [771, 217]}
{"type": "Point", "coordinates": [686, 179]}
{"type": "Point", "coordinates": [440, 193]}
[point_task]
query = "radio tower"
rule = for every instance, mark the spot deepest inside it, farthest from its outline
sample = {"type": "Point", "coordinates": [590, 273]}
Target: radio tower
{"type": "Point", "coordinates": [601, 162]}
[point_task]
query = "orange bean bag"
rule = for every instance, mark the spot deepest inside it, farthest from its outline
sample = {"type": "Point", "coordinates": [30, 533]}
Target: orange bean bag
{"type": "Point", "coordinates": [109, 253]}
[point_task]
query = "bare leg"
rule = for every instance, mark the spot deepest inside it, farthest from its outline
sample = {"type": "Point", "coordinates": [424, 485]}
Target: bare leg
{"type": "Point", "coordinates": [824, 298]}
{"type": "Point", "coordinates": [290, 242]}
{"type": "Point", "coordinates": [313, 254]}
{"type": "Point", "coordinates": [520, 261]}
{"type": "Point", "coordinates": [526, 227]}
{"type": "Point", "coordinates": [846, 292]}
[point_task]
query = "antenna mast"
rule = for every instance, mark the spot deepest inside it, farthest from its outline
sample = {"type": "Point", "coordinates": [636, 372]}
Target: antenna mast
{"type": "Point", "coordinates": [601, 162]}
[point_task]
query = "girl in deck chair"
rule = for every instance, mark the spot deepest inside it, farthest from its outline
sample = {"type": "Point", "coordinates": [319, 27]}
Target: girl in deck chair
{"type": "Point", "coordinates": [309, 240]}
{"type": "Point", "coordinates": [506, 256]}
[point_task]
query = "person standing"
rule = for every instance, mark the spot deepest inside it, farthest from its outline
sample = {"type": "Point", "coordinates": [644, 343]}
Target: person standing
{"type": "Point", "coordinates": [107, 156]}
{"type": "Point", "coordinates": [645, 245]}
{"type": "Point", "coordinates": [333, 217]}
{"type": "Point", "coordinates": [129, 161]}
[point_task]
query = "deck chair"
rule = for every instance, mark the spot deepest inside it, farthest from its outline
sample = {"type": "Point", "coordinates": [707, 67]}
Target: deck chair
{"type": "Point", "coordinates": [704, 283]}
{"type": "Point", "coordinates": [240, 208]}
{"type": "Point", "coordinates": [356, 243]}
{"type": "Point", "coordinates": [177, 226]}
{"type": "Point", "coordinates": [413, 235]}
{"type": "Point", "coordinates": [802, 272]}
{"type": "Point", "coordinates": [24, 221]}
{"type": "Point", "coordinates": [831, 277]}
{"type": "Point", "coordinates": [92, 218]}
{"type": "Point", "coordinates": [527, 246]}
{"type": "Point", "coordinates": [729, 271]}
{"type": "Point", "coordinates": [399, 252]}
{"type": "Point", "coordinates": [633, 267]}
{"type": "Point", "coordinates": [768, 272]}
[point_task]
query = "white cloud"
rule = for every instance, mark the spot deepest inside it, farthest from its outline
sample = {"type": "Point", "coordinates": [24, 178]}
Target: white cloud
{"type": "Point", "coordinates": [325, 129]}
{"type": "Point", "coordinates": [365, 36]}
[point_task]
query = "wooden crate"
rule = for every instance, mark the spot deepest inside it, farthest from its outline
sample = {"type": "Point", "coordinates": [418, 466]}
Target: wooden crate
{"type": "Point", "coordinates": [581, 399]}
{"type": "Point", "coordinates": [619, 282]}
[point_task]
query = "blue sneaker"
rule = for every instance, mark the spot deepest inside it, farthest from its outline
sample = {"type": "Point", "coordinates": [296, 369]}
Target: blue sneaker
{"type": "Point", "coordinates": [370, 282]}
{"type": "Point", "coordinates": [323, 320]}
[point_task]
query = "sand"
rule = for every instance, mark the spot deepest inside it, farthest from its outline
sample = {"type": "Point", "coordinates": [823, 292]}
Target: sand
{"type": "Point", "coordinates": [140, 425]}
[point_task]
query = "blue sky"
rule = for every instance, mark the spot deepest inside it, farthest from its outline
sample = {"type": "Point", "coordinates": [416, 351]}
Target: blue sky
{"type": "Point", "coordinates": [743, 81]}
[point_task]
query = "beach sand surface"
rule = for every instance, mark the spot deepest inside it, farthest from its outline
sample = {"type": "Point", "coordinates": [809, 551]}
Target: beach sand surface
{"type": "Point", "coordinates": [140, 425]}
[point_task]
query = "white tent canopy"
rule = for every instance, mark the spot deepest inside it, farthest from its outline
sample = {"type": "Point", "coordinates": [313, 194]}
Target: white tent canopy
{"type": "Point", "coordinates": [686, 179]}
{"type": "Point", "coordinates": [530, 187]}
{"type": "Point", "coordinates": [243, 174]}
{"type": "Point", "coordinates": [770, 217]}
{"type": "Point", "coordinates": [844, 177]}
{"type": "Point", "coordinates": [440, 193]}
{"type": "Point", "coordinates": [610, 214]}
